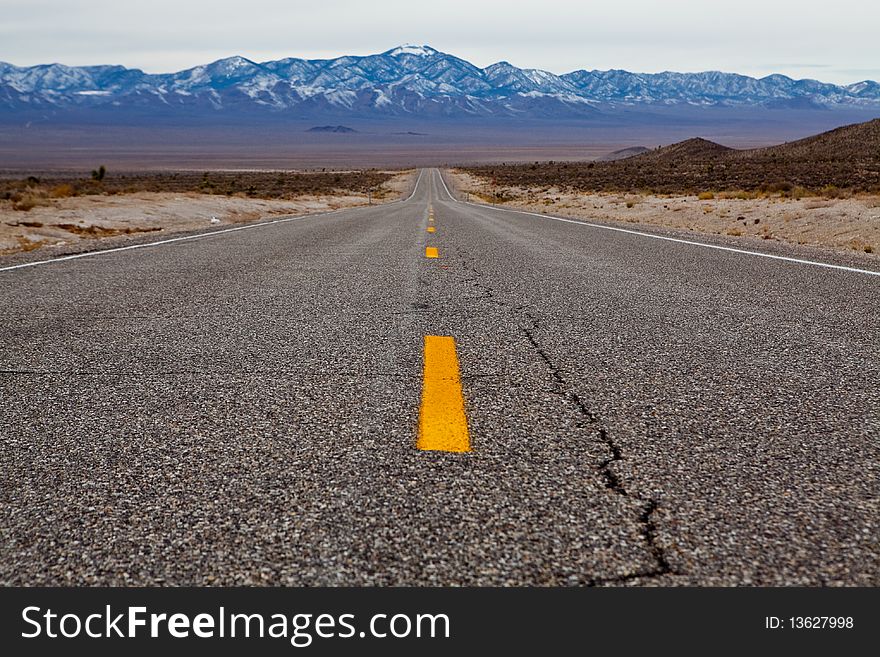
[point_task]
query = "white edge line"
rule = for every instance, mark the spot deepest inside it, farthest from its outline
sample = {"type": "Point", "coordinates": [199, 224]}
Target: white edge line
{"type": "Point", "coordinates": [415, 187]}
{"type": "Point", "coordinates": [88, 254]}
{"type": "Point", "coordinates": [183, 238]}
{"type": "Point", "coordinates": [662, 237]}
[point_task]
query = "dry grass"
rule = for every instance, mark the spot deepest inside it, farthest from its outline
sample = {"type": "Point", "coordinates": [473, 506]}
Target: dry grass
{"type": "Point", "coordinates": [24, 244]}
{"type": "Point", "coordinates": [739, 195]}
{"type": "Point", "coordinates": [24, 203]}
{"type": "Point", "coordinates": [857, 244]}
{"type": "Point", "coordinates": [64, 190]}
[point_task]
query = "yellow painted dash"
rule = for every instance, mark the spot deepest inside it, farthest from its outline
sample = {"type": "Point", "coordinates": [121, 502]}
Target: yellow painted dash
{"type": "Point", "coordinates": [431, 252]}
{"type": "Point", "coordinates": [442, 421]}
{"type": "Point", "coordinates": [431, 229]}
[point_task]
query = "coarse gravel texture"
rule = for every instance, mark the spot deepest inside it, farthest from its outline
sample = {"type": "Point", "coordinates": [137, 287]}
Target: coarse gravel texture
{"type": "Point", "coordinates": [96, 220]}
{"type": "Point", "coordinates": [849, 226]}
{"type": "Point", "coordinates": [242, 409]}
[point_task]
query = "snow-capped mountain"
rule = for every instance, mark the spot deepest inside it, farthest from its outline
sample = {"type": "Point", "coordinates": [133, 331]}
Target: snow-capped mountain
{"type": "Point", "coordinates": [406, 80]}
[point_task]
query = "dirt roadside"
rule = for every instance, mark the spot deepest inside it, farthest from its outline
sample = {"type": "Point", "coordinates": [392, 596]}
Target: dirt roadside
{"type": "Point", "coordinates": [74, 221]}
{"type": "Point", "coordinates": [845, 224]}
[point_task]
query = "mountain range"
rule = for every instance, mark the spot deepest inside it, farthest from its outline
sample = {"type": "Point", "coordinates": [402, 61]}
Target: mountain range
{"type": "Point", "coordinates": [413, 81]}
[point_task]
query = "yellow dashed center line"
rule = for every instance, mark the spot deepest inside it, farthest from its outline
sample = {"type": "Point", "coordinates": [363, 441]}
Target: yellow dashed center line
{"type": "Point", "coordinates": [431, 252]}
{"type": "Point", "coordinates": [431, 229]}
{"type": "Point", "coordinates": [442, 421]}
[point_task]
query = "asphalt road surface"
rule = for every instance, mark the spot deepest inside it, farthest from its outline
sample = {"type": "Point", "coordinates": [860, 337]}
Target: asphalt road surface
{"type": "Point", "coordinates": [244, 408]}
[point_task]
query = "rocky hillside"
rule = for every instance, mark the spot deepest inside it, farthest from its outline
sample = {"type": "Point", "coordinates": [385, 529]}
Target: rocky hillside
{"type": "Point", "coordinates": [847, 158]}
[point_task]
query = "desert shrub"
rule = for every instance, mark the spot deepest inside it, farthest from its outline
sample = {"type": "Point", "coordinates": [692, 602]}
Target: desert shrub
{"type": "Point", "coordinates": [777, 187]}
{"type": "Point", "coordinates": [99, 173]}
{"type": "Point", "coordinates": [62, 191]}
{"type": "Point", "coordinates": [24, 204]}
{"type": "Point", "coordinates": [24, 244]}
{"type": "Point", "coordinates": [706, 196]}
{"type": "Point", "coordinates": [832, 191]}
{"type": "Point", "coordinates": [740, 195]}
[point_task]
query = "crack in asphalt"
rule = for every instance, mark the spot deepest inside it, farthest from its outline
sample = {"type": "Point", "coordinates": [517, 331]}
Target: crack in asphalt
{"type": "Point", "coordinates": [612, 481]}
{"type": "Point", "coordinates": [605, 468]}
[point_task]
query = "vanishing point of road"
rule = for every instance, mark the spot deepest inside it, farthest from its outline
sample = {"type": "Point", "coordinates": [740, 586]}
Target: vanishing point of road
{"type": "Point", "coordinates": [431, 392]}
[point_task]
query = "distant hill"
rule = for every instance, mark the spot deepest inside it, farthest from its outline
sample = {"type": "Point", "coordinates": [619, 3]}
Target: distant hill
{"type": "Point", "coordinates": [331, 128]}
{"type": "Point", "coordinates": [622, 154]}
{"type": "Point", "coordinates": [695, 148]}
{"type": "Point", "coordinates": [848, 157]}
{"type": "Point", "coordinates": [854, 143]}
{"type": "Point", "coordinates": [857, 143]}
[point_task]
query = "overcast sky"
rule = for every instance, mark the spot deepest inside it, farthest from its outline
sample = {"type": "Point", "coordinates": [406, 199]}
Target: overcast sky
{"type": "Point", "coordinates": [831, 41]}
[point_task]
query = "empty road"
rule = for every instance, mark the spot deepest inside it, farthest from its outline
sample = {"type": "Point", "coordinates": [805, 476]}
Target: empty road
{"type": "Point", "coordinates": [267, 406]}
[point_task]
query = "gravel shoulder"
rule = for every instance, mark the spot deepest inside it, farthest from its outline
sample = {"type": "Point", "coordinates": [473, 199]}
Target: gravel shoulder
{"type": "Point", "coordinates": [847, 225]}
{"type": "Point", "coordinates": [80, 222]}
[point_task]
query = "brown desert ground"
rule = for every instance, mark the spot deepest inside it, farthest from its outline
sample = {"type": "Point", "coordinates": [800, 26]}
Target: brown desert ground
{"type": "Point", "coordinates": [73, 211]}
{"type": "Point", "coordinates": [822, 191]}
{"type": "Point", "coordinates": [847, 224]}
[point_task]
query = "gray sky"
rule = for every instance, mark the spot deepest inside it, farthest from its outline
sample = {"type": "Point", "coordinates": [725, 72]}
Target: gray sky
{"type": "Point", "coordinates": [831, 41]}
